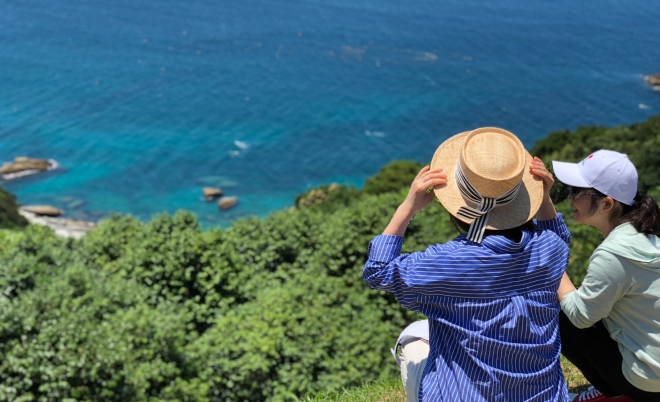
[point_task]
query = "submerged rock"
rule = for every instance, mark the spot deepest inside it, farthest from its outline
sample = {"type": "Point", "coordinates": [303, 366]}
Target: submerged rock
{"type": "Point", "coordinates": [211, 193]}
{"type": "Point", "coordinates": [227, 202]}
{"type": "Point", "coordinates": [75, 204]}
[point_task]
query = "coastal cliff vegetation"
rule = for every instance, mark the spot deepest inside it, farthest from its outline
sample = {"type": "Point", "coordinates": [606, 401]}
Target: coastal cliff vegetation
{"type": "Point", "coordinates": [269, 309]}
{"type": "Point", "coordinates": [9, 216]}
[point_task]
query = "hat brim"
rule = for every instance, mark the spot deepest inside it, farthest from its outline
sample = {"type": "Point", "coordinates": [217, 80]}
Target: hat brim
{"type": "Point", "coordinates": [569, 174]}
{"type": "Point", "coordinates": [520, 210]}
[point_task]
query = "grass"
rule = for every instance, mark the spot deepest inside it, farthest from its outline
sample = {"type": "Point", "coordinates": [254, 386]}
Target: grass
{"type": "Point", "coordinates": [392, 390]}
{"type": "Point", "coordinates": [378, 391]}
{"type": "Point", "coordinates": [574, 378]}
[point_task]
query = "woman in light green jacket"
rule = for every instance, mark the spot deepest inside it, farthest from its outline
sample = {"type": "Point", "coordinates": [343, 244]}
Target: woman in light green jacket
{"type": "Point", "coordinates": [610, 326]}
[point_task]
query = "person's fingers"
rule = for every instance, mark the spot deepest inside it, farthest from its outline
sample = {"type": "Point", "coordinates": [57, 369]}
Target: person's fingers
{"type": "Point", "coordinates": [434, 178]}
{"type": "Point", "coordinates": [431, 172]}
{"type": "Point", "coordinates": [541, 172]}
{"type": "Point", "coordinates": [439, 175]}
{"type": "Point", "coordinates": [545, 177]}
{"type": "Point", "coordinates": [434, 183]}
{"type": "Point", "coordinates": [439, 178]}
{"type": "Point", "coordinates": [538, 169]}
{"type": "Point", "coordinates": [422, 171]}
{"type": "Point", "coordinates": [428, 179]}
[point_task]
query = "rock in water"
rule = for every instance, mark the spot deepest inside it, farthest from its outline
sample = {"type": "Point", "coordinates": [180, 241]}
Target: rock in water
{"type": "Point", "coordinates": [653, 80]}
{"type": "Point", "coordinates": [22, 163]}
{"type": "Point", "coordinates": [211, 193]}
{"type": "Point", "coordinates": [23, 166]}
{"type": "Point", "coordinates": [227, 202]}
{"type": "Point", "coordinates": [43, 210]}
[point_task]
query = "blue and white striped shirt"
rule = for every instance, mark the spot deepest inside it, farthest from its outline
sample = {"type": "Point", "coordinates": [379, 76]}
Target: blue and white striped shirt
{"type": "Point", "coordinates": [492, 308]}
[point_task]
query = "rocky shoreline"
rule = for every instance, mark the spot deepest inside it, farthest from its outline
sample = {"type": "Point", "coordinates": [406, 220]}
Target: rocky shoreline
{"type": "Point", "coordinates": [47, 215]}
{"type": "Point", "coordinates": [61, 226]}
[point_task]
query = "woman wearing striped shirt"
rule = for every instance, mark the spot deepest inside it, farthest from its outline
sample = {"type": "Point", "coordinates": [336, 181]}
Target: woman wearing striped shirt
{"type": "Point", "coordinates": [490, 294]}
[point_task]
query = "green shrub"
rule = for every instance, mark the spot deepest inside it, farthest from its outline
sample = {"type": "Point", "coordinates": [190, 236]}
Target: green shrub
{"type": "Point", "coordinates": [87, 336]}
{"type": "Point", "coordinates": [9, 216]}
{"type": "Point", "coordinates": [310, 333]}
{"type": "Point", "coordinates": [171, 256]}
{"type": "Point", "coordinates": [327, 198]}
{"type": "Point", "coordinates": [392, 177]}
{"type": "Point", "coordinates": [31, 257]}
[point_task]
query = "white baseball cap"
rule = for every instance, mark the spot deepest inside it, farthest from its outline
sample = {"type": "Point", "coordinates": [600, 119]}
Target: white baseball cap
{"type": "Point", "coordinates": [609, 172]}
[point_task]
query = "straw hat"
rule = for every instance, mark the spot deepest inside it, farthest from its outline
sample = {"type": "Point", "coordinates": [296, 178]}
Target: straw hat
{"type": "Point", "coordinates": [488, 180]}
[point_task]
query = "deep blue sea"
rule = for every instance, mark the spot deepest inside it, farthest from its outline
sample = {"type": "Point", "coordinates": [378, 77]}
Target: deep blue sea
{"type": "Point", "coordinates": [143, 103]}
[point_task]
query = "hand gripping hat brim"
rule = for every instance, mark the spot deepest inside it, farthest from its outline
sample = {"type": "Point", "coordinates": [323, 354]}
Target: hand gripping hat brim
{"type": "Point", "coordinates": [530, 194]}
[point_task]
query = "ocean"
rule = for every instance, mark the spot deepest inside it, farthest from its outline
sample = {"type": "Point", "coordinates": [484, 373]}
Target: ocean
{"type": "Point", "coordinates": [143, 103]}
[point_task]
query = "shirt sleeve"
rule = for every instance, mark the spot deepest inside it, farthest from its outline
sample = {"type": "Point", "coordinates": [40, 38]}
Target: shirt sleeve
{"type": "Point", "coordinates": [386, 269]}
{"type": "Point", "coordinates": [605, 283]}
{"type": "Point", "coordinates": [558, 226]}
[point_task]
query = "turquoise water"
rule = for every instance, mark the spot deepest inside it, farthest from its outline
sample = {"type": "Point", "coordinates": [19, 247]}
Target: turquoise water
{"type": "Point", "coordinates": [144, 103]}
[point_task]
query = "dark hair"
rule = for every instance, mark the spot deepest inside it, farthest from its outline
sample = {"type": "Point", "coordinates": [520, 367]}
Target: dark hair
{"type": "Point", "coordinates": [513, 234]}
{"type": "Point", "coordinates": [643, 214]}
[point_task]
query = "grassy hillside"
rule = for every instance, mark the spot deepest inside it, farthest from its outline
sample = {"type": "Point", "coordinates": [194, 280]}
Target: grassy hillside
{"type": "Point", "coordinates": [270, 309]}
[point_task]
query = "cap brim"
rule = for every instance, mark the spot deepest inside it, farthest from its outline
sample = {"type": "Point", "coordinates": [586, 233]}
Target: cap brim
{"type": "Point", "coordinates": [569, 173]}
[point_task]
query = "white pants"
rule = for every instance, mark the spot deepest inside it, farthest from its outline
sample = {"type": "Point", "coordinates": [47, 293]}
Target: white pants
{"type": "Point", "coordinates": [412, 362]}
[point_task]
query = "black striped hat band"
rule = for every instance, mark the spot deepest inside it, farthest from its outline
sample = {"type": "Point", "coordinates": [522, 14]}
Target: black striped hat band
{"type": "Point", "coordinates": [484, 204]}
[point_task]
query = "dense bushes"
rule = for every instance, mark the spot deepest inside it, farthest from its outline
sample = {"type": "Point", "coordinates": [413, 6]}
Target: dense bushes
{"type": "Point", "coordinates": [269, 309]}
{"type": "Point", "coordinates": [89, 336]}
{"type": "Point", "coordinates": [392, 177]}
{"type": "Point", "coordinates": [294, 339]}
{"type": "Point", "coordinates": [9, 216]}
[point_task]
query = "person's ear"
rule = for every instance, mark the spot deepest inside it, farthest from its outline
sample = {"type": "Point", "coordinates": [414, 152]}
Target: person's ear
{"type": "Point", "coordinates": [608, 204]}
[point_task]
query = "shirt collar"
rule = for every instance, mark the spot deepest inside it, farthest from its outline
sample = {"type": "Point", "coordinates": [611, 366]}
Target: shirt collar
{"type": "Point", "coordinates": [500, 244]}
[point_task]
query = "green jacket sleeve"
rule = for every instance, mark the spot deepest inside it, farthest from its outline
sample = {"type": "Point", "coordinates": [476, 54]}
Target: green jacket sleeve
{"type": "Point", "coordinates": [606, 282]}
